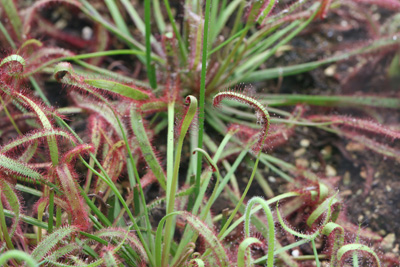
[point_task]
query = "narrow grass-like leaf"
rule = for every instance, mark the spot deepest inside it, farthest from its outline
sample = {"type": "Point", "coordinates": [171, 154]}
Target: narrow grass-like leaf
{"type": "Point", "coordinates": [51, 241]}
{"type": "Point", "coordinates": [204, 231]}
{"type": "Point", "coordinates": [95, 15]}
{"type": "Point", "coordinates": [11, 11]}
{"type": "Point", "coordinates": [117, 16]}
{"type": "Point", "coordinates": [5, 236]}
{"type": "Point", "coordinates": [121, 234]}
{"type": "Point", "coordinates": [202, 93]}
{"type": "Point", "coordinates": [218, 176]}
{"type": "Point", "coordinates": [51, 140]}
{"type": "Point", "coordinates": [271, 73]}
{"type": "Point", "coordinates": [103, 110]}
{"type": "Point", "coordinates": [118, 88]}
{"type": "Point", "coordinates": [146, 147]}
{"type": "Point", "coordinates": [173, 181]}
{"type": "Point", "coordinates": [242, 260]}
{"type": "Point", "coordinates": [62, 251]}
{"type": "Point", "coordinates": [31, 137]}
{"type": "Point", "coordinates": [68, 181]}
{"type": "Point", "coordinates": [380, 148]}
{"type": "Point", "coordinates": [151, 70]}
{"type": "Point", "coordinates": [18, 167]}
{"type": "Point", "coordinates": [76, 262]}
{"type": "Point", "coordinates": [182, 46]}
{"type": "Point", "coordinates": [223, 18]}
{"type": "Point", "coordinates": [14, 204]}
{"type": "Point", "coordinates": [7, 36]}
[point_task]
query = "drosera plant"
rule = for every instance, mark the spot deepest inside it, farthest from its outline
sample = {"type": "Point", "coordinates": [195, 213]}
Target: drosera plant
{"type": "Point", "coordinates": [93, 206]}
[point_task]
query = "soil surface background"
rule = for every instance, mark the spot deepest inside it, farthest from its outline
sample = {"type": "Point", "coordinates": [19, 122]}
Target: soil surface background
{"type": "Point", "coordinates": [368, 182]}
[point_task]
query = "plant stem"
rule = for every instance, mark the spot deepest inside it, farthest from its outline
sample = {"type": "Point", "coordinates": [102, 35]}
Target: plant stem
{"type": "Point", "coordinates": [170, 169]}
{"type": "Point", "coordinates": [151, 71]}
{"type": "Point", "coordinates": [202, 95]}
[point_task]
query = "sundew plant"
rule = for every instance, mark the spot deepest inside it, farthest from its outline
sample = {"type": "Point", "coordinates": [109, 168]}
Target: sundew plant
{"type": "Point", "coordinates": [142, 133]}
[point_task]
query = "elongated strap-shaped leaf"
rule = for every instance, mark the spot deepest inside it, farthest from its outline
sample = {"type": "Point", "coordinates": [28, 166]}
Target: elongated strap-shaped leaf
{"type": "Point", "coordinates": [18, 167]}
{"type": "Point", "coordinates": [110, 260]}
{"type": "Point", "coordinates": [242, 261]}
{"type": "Point", "coordinates": [50, 241]}
{"type": "Point", "coordinates": [76, 204]}
{"type": "Point", "coordinates": [203, 230]}
{"type": "Point", "coordinates": [13, 202]}
{"type": "Point", "coordinates": [209, 237]}
{"type": "Point", "coordinates": [28, 138]}
{"type": "Point", "coordinates": [121, 234]}
{"type": "Point", "coordinates": [51, 140]}
{"type": "Point", "coordinates": [77, 263]}
{"type": "Point", "coordinates": [62, 251]}
{"type": "Point", "coordinates": [146, 147]}
{"type": "Point", "coordinates": [118, 88]}
{"type": "Point", "coordinates": [102, 110]}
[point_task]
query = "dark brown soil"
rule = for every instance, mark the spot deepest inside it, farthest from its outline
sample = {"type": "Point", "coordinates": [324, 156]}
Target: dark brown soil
{"type": "Point", "coordinates": [367, 182]}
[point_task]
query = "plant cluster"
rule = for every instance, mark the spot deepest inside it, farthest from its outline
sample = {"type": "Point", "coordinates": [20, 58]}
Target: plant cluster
{"type": "Point", "coordinates": [122, 174]}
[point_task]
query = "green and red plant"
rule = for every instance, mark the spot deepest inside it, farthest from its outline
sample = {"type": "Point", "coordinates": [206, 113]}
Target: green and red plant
{"type": "Point", "coordinates": [93, 166]}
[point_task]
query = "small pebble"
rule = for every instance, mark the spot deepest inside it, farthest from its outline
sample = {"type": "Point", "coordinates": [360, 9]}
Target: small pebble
{"type": "Point", "coordinates": [87, 33]}
{"type": "Point", "coordinates": [330, 171]}
{"type": "Point", "coordinates": [353, 146]}
{"type": "Point", "coordinates": [301, 162]}
{"type": "Point", "coordinates": [363, 174]}
{"type": "Point", "coordinates": [272, 179]}
{"type": "Point", "coordinates": [315, 165]}
{"type": "Point", "coordinates": [299, 152]}
{"type": "Point", "coordinates": [388, 188]}
{"type": "Point", "coordinates": [326, 152]}
{"type": "Point", "coordinates": [346, 178]}
{"type": "Point", "coordinates": [346, 193]}
{"type": "Point", "coordinates": [305, 143]}
{"type": "Point", "coordinates": [61, 24]}
{"type": "Point", "coordinates": [295, 253]}
{"type": "Point", "coordinates": [330, 71]}
{"type": "Point", "coordinates": [382, 232]}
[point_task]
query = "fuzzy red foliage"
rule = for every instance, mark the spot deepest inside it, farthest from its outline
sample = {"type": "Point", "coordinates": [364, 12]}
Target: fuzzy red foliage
{"type": "Point", "coordinates": [323, 10]}
{"type": "Point", "coordinates": [76, 205]}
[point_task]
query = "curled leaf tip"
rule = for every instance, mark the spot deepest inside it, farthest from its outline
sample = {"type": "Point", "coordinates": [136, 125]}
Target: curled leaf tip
{"type": "Point", "coordinates": [261, 112]}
